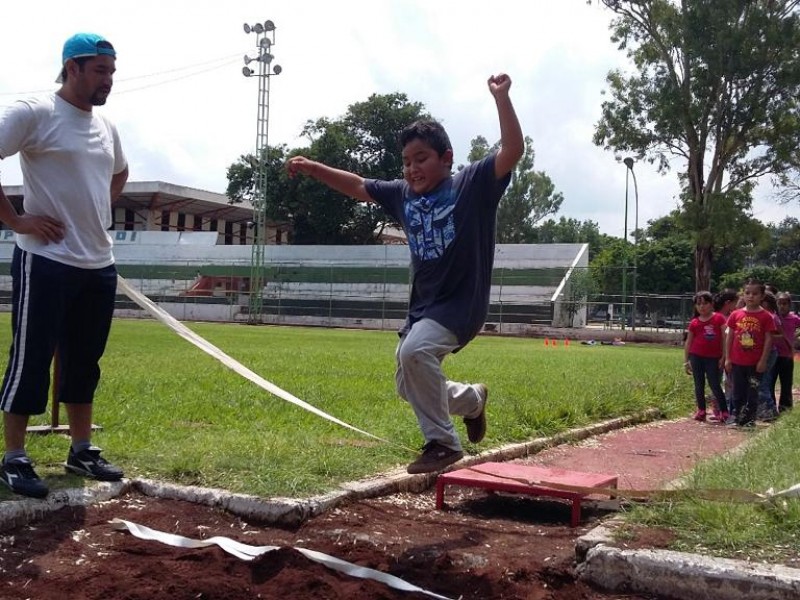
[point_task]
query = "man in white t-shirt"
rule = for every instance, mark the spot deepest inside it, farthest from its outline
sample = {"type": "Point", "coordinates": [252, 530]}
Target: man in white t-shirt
{"type": "Point", "coordinates": [64, 278]}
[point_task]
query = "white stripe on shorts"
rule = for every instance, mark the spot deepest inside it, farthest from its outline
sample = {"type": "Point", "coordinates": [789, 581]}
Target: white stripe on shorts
{"type": "Point", "coordinates": [21, 331]}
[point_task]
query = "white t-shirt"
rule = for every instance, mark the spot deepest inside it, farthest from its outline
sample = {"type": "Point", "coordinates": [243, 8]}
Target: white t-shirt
{"type": "Point", "coordinates": [68, 157]}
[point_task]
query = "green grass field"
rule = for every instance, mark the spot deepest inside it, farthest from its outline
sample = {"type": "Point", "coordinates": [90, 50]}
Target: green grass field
{"type": "Point", "coordinates": [170, 411]}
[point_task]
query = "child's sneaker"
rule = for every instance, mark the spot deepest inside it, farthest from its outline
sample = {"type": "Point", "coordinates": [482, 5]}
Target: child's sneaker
{"type": "Point", "coordinates": [434, 457]}
{"type": "Point", "coordinates": [700, 415]}
{"type": "Point", "coordinates": [724, 417]}
{"type": "Point", "coordinates": [476, 426]}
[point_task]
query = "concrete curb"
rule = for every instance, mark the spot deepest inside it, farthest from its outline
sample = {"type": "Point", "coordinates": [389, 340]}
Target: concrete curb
{"type": "Point", "coordinates": [291, 511]}
{"type": "Point", "coordinates": [14, 513]}
{"type": "Point", "coordinates": [682, 575]}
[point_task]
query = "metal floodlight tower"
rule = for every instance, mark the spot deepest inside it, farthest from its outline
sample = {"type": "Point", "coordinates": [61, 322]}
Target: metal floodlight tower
{"type": "Point", "coordinates": [265, 39]}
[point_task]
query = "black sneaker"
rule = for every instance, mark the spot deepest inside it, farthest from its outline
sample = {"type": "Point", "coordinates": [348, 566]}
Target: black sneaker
{"type": "Point", "coordinates": [19, 476]}
{"type": "Point", "coordinates": [434, 457]}
{"type": "Point", "coordinates": [476, 426]}
{"type": "Point", "coordinates": [767, 415]}
{"type": "Point", "coordinates": [89, 463]}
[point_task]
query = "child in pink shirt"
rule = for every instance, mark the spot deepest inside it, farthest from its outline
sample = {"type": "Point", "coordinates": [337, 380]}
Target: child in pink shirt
{"type": "Point", "coordinates": [703, 355]}
{"type": "Point", "coordinates": [784, 342]}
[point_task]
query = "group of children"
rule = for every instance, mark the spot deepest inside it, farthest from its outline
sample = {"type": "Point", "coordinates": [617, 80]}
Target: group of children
{"type": "Point", "coordinates": [748, 340]}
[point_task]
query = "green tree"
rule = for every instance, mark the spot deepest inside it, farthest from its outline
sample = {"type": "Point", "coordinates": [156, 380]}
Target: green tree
{"type": "Point", "coordinates": [785, 278]}
{"type": "Point", "coordinates": [716, 85]}
{"type": "Point", "coordinates": [243, 185]}
{"type": "Point", "coordinates": [479, 148]}
{"type": "Point", "coordinates": [365, 141]}
{"type": "Point", "coordinates": [782, 246]}
{"type": "Point", "coordinates": [529, 198]}
{"type": "Point", "coordinates": [664, 266]}
{"type": "Point", "coordinates": [571, 231]}
{"type": "Point", "coordinates": [735, 246]}
{"type": "Point", "coordinates": [580, 288]}
{"type": "Point", "coordinates": [606, 267]}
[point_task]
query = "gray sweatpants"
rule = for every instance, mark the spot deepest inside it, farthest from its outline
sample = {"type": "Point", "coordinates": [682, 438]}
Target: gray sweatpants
{"type": "Point", "coordinates": [421, 382]}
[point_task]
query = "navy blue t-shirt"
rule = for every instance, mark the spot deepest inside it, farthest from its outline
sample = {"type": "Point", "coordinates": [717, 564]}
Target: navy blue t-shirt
{"type": "Point", "coordinates": [451, 232]}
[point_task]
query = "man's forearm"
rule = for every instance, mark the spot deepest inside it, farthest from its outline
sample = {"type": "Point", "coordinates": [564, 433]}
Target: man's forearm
{"type": "Point", "coordinates": [8, 214]}
{"type": "Point", "coordinates": [118, 183]}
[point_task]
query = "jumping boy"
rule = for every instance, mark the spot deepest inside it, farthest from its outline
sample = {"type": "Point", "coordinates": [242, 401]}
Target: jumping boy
{"type": "Point", "coordinates": [450, 223]}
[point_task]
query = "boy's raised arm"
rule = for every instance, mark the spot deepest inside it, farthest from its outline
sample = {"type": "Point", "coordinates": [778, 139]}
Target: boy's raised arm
{"type": "Point", "coordinates": [512, 145]}
{"type": "Point", "coordinates": [344, 182]}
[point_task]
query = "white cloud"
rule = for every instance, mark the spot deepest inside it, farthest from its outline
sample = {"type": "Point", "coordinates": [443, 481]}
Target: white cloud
{"type": "Point", "coordinates": [188, 129]}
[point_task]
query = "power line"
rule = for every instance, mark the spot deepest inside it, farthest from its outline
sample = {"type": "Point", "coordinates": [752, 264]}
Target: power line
{"type": "Point", "coordinates": [173, 79]}
{"type": "Point", "coordinates": [229, 59]}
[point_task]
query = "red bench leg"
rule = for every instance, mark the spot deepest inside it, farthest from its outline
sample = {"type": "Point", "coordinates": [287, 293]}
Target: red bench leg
{"type": "Point", "coordinates": [439, 494]}
{"type": "Point", "coordinates": [576, 512]}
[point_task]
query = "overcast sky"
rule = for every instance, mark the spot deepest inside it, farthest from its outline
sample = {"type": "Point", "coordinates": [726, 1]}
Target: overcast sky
{"type": "Point", "coordinates": [186, 113]}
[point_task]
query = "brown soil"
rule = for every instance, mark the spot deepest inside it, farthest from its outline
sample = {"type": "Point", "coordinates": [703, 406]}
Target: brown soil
{"type": "Point", "coordinates": [480, 546]}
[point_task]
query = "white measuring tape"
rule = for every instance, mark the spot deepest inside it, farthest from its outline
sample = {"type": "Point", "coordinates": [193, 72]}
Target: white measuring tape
{"type": "Point", "coordinates": [247, 552]}
{"type": "Point", "coordinates": [227, 360]}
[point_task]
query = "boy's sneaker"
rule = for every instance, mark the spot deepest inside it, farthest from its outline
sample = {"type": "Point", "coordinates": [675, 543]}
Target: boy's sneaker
{"type": "Point", "coordinates": [767, 417]}
{"type": "Point", "coordinates": [89, 463]}
{"type": "Point", "coordinates": [476, 426]}
{"type": "Point", "coordinates": [700, 415]}
{"type": "Point", "coordinates": [434, 457]}
{"type": "Point", "coordinates": [19, 476]}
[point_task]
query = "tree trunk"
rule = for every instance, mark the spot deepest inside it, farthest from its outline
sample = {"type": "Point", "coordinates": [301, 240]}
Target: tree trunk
{"type": "Point", "coordinates": [703, 260]}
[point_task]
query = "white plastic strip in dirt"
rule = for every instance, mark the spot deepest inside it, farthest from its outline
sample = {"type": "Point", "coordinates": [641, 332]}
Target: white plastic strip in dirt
{"type": "Point", "coordinates": [207, 347]}
{"type": "Point", "coordinates": [247, 552]}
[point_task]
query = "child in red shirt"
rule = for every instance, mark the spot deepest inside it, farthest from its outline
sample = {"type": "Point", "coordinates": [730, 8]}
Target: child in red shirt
{"type": "Point", "coordinates": [703, 355]}
{"type": "Point", "coordinates": [747, 349]}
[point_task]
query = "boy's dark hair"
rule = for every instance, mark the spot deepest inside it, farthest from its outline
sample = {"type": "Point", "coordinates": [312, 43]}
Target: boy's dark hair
{"type": "Point", "coordinates": [704, 295]}
{"type": "Point", "coordinates": [771, 288]}
{"type": "Point", "coordinates": [770, 302]}
{"type": "Point", "coordinates": [726, 295]}
{"type": "Point", "coordinates": [756, 282]}
{"type": "Point", "coordinates": [429, 131]}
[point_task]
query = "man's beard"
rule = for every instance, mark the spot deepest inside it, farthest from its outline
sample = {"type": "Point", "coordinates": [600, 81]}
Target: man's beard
{"type": "Point", "coordinates": [98, 99]}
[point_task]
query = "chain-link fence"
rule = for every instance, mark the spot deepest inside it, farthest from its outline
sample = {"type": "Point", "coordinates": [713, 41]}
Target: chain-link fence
{"type": "Point", "coordinates": [375, 292]}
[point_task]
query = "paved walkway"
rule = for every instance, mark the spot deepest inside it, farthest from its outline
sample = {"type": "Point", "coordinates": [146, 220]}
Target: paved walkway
{"type": "Point", "coordinates": [645, 456]}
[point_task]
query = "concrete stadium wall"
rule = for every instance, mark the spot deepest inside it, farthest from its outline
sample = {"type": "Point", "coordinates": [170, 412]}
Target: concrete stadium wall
{"type": "Point", "coordinates": [510, 299]}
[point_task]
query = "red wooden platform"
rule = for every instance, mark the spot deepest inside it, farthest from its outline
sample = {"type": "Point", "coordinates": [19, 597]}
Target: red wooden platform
{"type": "Point", "coordinates": [526, 479]}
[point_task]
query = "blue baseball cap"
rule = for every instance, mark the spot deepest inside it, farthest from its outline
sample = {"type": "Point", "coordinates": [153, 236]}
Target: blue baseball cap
{"type": "Point", "coordinates": [83, 45]}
